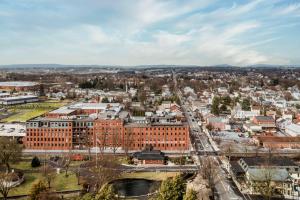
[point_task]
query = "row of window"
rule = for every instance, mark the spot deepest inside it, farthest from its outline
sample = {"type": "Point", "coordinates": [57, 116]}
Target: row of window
{"type": "Point", "coordinates": [158, 140]}
{"type": "Point", "coordinates": [53, 134]}
{"type": "Point", "coordinates": [157, 145]}
{"type": "Point", "coordinates": [155, 133]}
{"type": "Point", "coordinates": [46, 139]}
{"type": "Point", "coordinates": [157, 128]}
{"type": "Point", "coordinates": [49, 145]}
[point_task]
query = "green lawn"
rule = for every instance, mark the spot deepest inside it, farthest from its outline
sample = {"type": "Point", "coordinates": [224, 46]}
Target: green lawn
{"type": "Point", "coordinates": [25, 112]}
{"type": "Point", "coordinates": [23, 165]}
{"type": "Point", "coordinates": [60, 183]}
{"type": "Point", "coordinates": [24, 188]}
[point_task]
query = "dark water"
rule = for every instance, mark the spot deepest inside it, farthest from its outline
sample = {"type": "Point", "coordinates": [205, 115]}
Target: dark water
{"type": "Point", "coordinates": [135, 187]}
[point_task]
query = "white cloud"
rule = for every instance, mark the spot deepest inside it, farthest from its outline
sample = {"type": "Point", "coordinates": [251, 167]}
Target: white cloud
{"type": "Point", "coordinates": [219, 44]}
{"type": "Point", "coordinates": [150, 32]}
{"type": "Point", "coordinates": [290, 9]}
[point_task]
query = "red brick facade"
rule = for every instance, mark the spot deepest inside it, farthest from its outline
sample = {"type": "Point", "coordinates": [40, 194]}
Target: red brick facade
{"type": "Point", "coordinates": [73, 134]}
{"type": "Point", "coordinates": [49, 138]}
{"type": "Point", "coordinates": [165, 137]}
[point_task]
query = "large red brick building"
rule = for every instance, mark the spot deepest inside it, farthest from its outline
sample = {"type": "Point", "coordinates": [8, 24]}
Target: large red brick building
{"type": "Point", "coordinates": [62, 130]}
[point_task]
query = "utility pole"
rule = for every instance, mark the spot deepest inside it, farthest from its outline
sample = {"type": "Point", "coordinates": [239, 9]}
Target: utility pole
{"type": "Point", "coordinates": [96, 152]}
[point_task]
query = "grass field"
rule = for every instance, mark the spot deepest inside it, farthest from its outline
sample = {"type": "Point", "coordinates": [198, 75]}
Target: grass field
{"type": "Point", "coordinates": [22, 165]}
{"type": "Point", "coordinates": [24, 112]}
{"type": "Point", "coordinates": [60, 183]}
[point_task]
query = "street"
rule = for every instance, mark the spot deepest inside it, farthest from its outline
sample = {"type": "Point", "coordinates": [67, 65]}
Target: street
{"type": "Point", "coordinates": [201, 145]}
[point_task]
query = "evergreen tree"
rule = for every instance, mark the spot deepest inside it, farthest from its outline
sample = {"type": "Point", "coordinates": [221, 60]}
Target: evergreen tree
{"type": "Point", "coordinates": [246, 104]}
{"type": "Point", "coordinates": [35, 162]}
{"type": "Point", "coordinates": [190, 195]}
{"type": "Point", "coordinates": [223, 108]}
{"type": "Point", "coordinates": [106, 193]}
{"type": "Point", "coordinates": [172, 189]}
{"type": "Point", "coordinates": [215, 106]}
{"type": "Point", "coordinates": [105, 100]}
{"type": "Point", "coordinates": [227, 100]}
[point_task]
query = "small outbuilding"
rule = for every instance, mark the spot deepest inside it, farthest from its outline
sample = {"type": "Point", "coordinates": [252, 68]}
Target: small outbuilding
{"type": "Point", "coordinates": [149, 156]}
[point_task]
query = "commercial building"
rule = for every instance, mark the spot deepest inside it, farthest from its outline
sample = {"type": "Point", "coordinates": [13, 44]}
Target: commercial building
{"type": "Point", "coordinates": [279, 142]}
{"type": "Point", "coordinates": [105, 127]}
{"type": "Point", "coordinates": [18, 100]}
{"type": "Point", "coordinates": [19, 86]}
{"type": "Point", "coordinates": [267, 123]}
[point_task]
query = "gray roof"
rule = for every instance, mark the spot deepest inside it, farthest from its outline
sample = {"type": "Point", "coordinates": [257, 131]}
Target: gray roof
{"type": "Point", "coordinates": [18, 83]}
{"type": "Point", "coordinates": [264, 118]}
{"type": "Point", "coordinates": [274, 161]}
{"type": "Point", "coordinates": [268, 174]}
{"type": "Point", "coordinates": [150, 155]}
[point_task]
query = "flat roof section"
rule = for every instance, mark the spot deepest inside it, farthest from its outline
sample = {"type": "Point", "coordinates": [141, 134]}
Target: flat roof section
{"type": "Point", "coordinates": [12, 130]}
{"type": "Point", "coordinates": [18, 98]}
{"type": "Point", "coordinates": [18, 84]}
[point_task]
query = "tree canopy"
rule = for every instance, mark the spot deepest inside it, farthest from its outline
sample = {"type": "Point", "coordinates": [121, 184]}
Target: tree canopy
{"type": "Point", "coordinates": [10, 151]}
{"type": "Point", "coordinates": [172, 189]}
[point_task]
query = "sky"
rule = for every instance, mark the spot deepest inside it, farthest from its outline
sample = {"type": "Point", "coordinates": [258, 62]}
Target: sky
{"type": "Point", "coordinates": [146, 32]}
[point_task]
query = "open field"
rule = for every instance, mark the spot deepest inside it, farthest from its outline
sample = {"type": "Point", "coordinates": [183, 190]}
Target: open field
{"type": "Point", "coordinates": [24, 112]}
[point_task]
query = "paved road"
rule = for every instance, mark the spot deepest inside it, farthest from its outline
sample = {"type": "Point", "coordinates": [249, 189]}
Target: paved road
{"type": "Point", "coordinates": [224, 187]}
{"type": "Point", "coordinates": [183, 168]}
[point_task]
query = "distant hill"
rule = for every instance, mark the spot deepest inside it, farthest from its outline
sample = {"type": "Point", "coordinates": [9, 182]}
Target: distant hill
{"type": "Point", "coordinates": [18, 66]}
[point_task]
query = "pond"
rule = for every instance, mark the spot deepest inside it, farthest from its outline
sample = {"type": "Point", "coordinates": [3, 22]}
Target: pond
{"type": "Point", "coordinates": [135, 187]}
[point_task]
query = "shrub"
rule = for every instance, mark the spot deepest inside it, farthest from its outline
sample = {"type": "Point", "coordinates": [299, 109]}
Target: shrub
{"type": "Point", "coordinates": [37, 189]}
{"type": "Point", "coordinates": [35, 162]}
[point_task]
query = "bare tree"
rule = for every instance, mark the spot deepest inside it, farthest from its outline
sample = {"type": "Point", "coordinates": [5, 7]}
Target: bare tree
{"type": "Point", "coordinates": [128, 139]}
{"type": "Point", "coordinates": [228, 149]}
{"type": "Point", "coordinates": [10, 151]}
{"type": "Point", "coordinates": [78, 174]}
{"type": "Point", "coordinates": [209, 172]}
{"type": "Point", "coordinates": [109, 170]}
{"type": "Point", "coordinates": [263, 183]}
{"type": "Point", "coordinates": [115, 139]}
{"type": "Point", "coordinates": [88, 144]}
{"type": "Point", "coordinates": [5, 183]}
{"type": "Point", "coordinates": [102, 142]}
{"type": "Point", "coordinates": [49, 174]}
{"type": "Point", "coordinates": [65, 162]}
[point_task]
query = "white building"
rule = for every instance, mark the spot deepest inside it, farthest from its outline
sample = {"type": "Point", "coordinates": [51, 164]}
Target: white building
{"type": "Point", "coordinates": [12, 130]}
{"type": "Point", "coordinates": [18, 100]}
{"type": "Point", "coordinates": [293, 130]}
{"type": "Point", "coordinates": [242, 114]}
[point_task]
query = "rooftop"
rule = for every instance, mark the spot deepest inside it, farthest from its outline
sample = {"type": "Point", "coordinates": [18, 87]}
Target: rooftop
{"type": "Point", "coordinates": [264, 118]}
{"type": "Point", "coordinates": [62, 110]}
{"type": "Point", "coordinates": [18, 97]}
{"type": "Point", "coordinates": [18, 84]}
{"type": "Point", "coordinates": [12, 130]}
{"type": "Point", "coordinates": [268, 174]}
{"type": "Point", "coordinates": [274, 161]}
{"type": "Point", "coordinates": [92, 106]}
